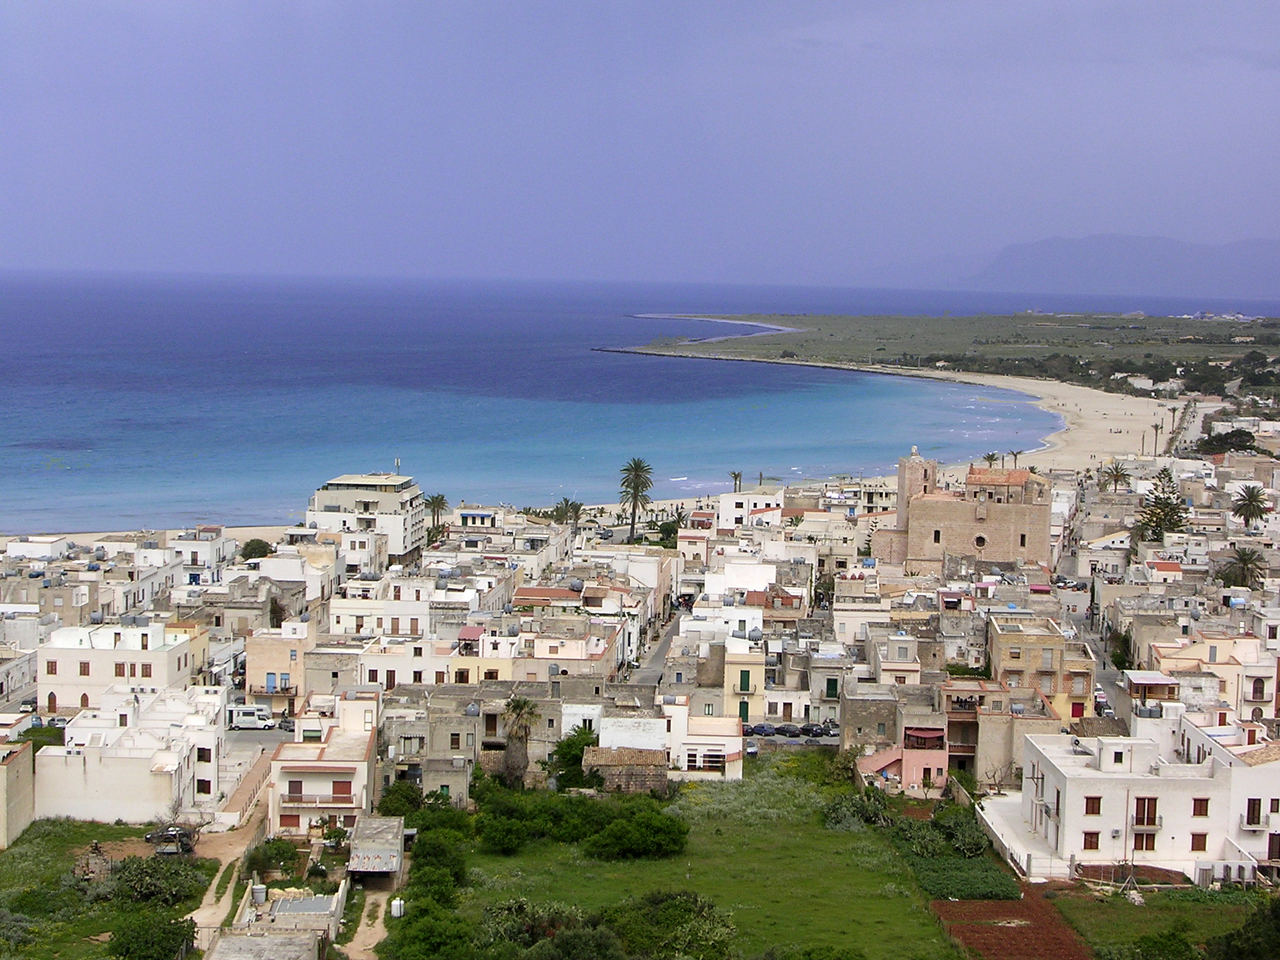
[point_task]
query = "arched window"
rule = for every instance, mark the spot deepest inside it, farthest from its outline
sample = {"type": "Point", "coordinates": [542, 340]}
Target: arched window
{"type": "Point", "coordinates": [1259, 688]}
{"type": "Point", "coordinates": [84, 701]}
{"type": "Point", "coordinates": [53, 702]}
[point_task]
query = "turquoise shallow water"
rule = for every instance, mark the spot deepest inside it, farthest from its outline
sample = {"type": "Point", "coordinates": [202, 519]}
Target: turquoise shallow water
{"type": "Point", "coordinates": [163, 402]}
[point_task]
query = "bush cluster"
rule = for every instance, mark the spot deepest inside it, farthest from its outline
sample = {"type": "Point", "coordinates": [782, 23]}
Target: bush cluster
{"type": "Point", "coordinates": [607, 829]}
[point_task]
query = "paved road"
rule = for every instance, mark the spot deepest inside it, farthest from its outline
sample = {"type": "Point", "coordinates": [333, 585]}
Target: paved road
{"type": "Point", "coordinates": [651, 670]}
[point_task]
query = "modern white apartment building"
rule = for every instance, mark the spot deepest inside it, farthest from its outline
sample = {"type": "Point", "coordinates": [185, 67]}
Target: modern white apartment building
{"type": "Point", "coordinates": [385, 503]}
{"type": "Point", "coordinates": [144, 752]}
{"type": "Point", "coordinates": [77, 665]}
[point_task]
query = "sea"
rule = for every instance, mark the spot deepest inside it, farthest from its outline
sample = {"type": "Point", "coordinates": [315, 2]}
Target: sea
{"type": "Point", "coordinates": [156, 402]}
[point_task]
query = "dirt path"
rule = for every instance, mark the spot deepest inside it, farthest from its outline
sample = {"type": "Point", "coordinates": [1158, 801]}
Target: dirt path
{"type": "Point", "coordinates": [224, 847]}
{"type": "Point", "coordinates": [370, 934]}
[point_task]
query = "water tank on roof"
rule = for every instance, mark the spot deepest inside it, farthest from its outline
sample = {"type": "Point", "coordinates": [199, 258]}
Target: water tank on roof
{"type": "Point", "coordinates": [740, 634]}
{"type": "Point", "coordinates": [442, 583]}
{"type": "Point", "coordinates": [755, 635]}
{"type": "Point", "coordinates": [95, 617]}
{"type": "Point", "coordinates": [513, 630]}
{"type": "Point", "coordinates": [100, 553]}
{"type": "Point", "coordinates": [472, 710]}
{"type": "Point", "coordinates": [93, 566]}
{"type": "Point", "coordinates": [46, 583]}
{"type": "Point", "coordinates": [576, 585]}
{"type": "Point", "coordinates": [728, 601]}
{"type": "Point", "coordinates": [507, 608]}
{"type": "Point", "coordinates": [305, 618]}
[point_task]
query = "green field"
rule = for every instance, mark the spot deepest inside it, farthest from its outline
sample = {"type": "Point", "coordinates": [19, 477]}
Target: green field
{"type": "Point", "coordinates": [784, 883]}
{"type": "Point", "coordinates": [1113, 920]}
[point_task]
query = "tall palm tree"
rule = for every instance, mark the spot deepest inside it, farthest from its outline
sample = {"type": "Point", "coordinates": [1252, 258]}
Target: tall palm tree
{"type": "Point", "coordinates": [680, 517]}
{"type": "Point", "coordinates": [1245, 567]}
{"type": "Point", "coordinates": [637, 481]}
{"type": "Point", "coordinates": [573, 513]}
{"type": "Point", "coordinates": [736, 477]}
{"type": "Point", "coordinates": [518, 717]}
{"type": "Point", "coordinates": [1115, 474]}
{"type": "Point", "coordinates": [437, 504]}
{"type": "Point", "coordinates": [1250, 504]}
{"type": "Point", "coordinates": [991, 458]}
{"type": "Point", "coordinates": [1015, 454]}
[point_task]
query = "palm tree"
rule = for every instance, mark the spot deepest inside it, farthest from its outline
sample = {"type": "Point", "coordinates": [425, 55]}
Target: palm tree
{"type": "Point", "coordinates": [1015, 454]}
{"type": "Point", "coordinates": [1250, 504]}
{"type": "Point", "coordinates": [1245, 567]}
{"type": "Point", "coordinates": [991, 458]}
{"type": "Point", "coordinates": [1115, 474]}
{"type": "Point", "coordinates": [518, 717]}
{"type": "Point", "coordinates": [437, 504]}
{"type": "Point", "coordinates": [680, 517]}
{"type": "Point", "coordinates": [736, 477]}
{"type": "Point", "coordinates": [637, 481]}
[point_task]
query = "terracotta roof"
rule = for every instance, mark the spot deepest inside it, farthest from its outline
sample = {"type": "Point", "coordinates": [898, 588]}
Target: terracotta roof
{"type": "Point", "coordinates": [1164, 565]}
{"type": "Point", "coordinates": [471, 633]}
{"type": "Point", "coordinates": [1011, 477]}
{"type": "Point", "coordinates": [1267, 753]}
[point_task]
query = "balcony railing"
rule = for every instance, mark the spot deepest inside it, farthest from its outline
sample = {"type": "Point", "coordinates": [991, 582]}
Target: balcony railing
{"type": "Point", "coordinates": [1146, 824]}
{"type": "Point", "coordinates": [962, 749]}
{"type": "Point", "coordinates": [275, 690]}
{"type": "Point", "coordinates": [323, 799]}
{"type": "Point", "coordinates": [1260, 696]}
{"type": "Point", "coordinates": [744, 691]}
{"type": "Point", "coordinates": [1261, 822]}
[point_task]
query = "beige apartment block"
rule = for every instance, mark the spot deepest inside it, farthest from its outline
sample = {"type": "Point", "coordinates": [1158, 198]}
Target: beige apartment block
{"type": "Point", "coordinates": [1031, 651]}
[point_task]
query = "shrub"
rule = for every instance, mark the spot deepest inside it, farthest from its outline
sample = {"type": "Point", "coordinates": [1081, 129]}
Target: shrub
{"type": "Point", "coordinates": [813, 953]}
{"type": "Point", "coordinates": [501, 834]}
{"type": "Point", "coordinates": [400, 799]}
{"type": "Point", "coordinates": [851, 810]}
{"type": "Point", "coordinates": [640, 834]}
{"type": "Point", "coordinates": [432, 882]}
{"type": "Point", "coordinates": [255, 549]}
{"type": "Point", "coordinates": [525, 923]}
{"type": "Point", "coordinates": [15, 928]}
{"type": "Point", "coordinates": [426, 932]}
{"type": "Point", "coordinates": [598, 944]}
{"type": "Point", "coordinates": [444, 849]}
{"type": "Point", "coordinates": [143, 935]}
{"type": "Point", "coordinates": [960, 826]}
{"type": "Point", "coordinates": [770, 796]}
{"type": "Point", "coordinates": [666, 924]}
{"type": "Point", "coordinates": [437, 813]}
{"type": "Point", "coordinates": [156, 880]}
{"type": "Point", "coordinates": [275, 854]}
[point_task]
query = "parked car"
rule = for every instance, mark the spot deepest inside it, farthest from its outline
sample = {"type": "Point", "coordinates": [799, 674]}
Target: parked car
{"type": "Point", "coordinates": [28, 705]}
{"type": "Point", "coordinates": [606, 533]}
{"type": "Point", "coordinates": [37, 722]}
{"type": "Point", "coordinates": [764, 730]}
{"type": "Point", "coordinates": [287, 724]}
{"type": "Point", "coordinates": [788, 730]}
{"type": "Point", "coordinates": [832, 725]}
{"type": "Point", "coordinates": [751, 748]}
{"type": "Point", "coordinates": [813, 729]}
{"type": "Point", "coordinates": [59, 722]}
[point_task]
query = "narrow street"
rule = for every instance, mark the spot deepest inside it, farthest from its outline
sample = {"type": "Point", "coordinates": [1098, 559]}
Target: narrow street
{"type": "Point", "coordinates": [651, 670]}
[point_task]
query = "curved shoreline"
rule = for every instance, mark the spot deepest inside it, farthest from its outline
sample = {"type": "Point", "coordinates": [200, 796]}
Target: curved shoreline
{"type": "Point", "coordinates": [1096, 425]}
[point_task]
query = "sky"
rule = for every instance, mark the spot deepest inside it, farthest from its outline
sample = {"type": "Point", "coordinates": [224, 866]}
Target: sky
{"type": "Point", "coordinates": [807, 143]}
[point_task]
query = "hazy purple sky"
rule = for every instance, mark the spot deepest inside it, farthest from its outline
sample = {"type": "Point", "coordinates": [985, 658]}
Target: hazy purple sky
{"type": "Point", "coordinates": [771, 142]}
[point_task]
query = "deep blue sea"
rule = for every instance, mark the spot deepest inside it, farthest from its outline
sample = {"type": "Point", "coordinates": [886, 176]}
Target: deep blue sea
{"type": "Point", "coordinates": [159, 402]}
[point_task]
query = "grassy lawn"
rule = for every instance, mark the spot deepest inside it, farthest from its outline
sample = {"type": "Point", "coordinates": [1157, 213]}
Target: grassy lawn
{"type": "Point", "coordinates": [1114, 920]}
{"type": "Point", "coordinates": [785, 883]}
{"type": "Point", "coordinates": [36, 880]}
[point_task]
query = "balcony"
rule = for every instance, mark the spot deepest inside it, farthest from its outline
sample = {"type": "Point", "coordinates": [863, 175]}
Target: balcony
{"type": "Point", "coordinates": [1259, 823]}
{"type": "Point", "coordinates": [1256, 696]}
{"type": "Point", "coordinates": [1146, 824]}
{"type": "Point", "coordinates": [274, 690]}
{"type": "Point", "coordinates": [962, 749]}
{"type": "Point", "coordinates": [742, 691]}
{"type": "Point", "coordinates": [323, 799]}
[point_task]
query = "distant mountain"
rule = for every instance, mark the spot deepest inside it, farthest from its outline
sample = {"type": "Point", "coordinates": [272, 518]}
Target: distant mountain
{"type": "Point", "coordinates": [1119, 264]}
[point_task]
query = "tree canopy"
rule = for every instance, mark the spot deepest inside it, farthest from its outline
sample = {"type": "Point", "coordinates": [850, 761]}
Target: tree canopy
{"type": "Point", "coordinates": [637, 481]}
{"type": "Point", "coordinates": [255, 549]}
{"type": "Point", "coordinates": [1165, 511]}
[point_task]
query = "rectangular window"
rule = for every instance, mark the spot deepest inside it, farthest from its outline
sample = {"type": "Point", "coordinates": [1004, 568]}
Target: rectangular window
{"type": "Point", "coordinates": [204, 754]}
{"type": "Point", "coordinates": [51, 668]}
{"type": "Point", "coordinates": [1200, 807]}
{"type": "Point", "coordinates": [491, 674]}
{"type": "Point", "coordinates": [1022, 539]}
{"type": "Point", "coordinates": [880, 729]}
{"type": "Point", "coordinates": [744, 681]}
{"type": "Point", "coordinates": [1253, 811]}
{"type": "Point", "coordinates": [455, 741]}
{"type": "Point", "coordinates": [417, 676]}
{"type": "Point", "coordinates": [833, 686]}
{"type": "Point", "coordinates": [84, 668]}
{"type": "Point", "coordinates": [1144, 841]}
{"type": "Point", "coordinates": [203, 786]}
{"type": "Point", "coordinates": [373, 676]}
{"type": "Point", "coordinates": [119, 670]}
{"type": "Point", "coordinates": [1198, 841]}
{"type": "Point", "coordinates": [1015, 653]}
{"type": "Point", "coordinates": [1092, 806]}
{"type": "Point", "coordinates": [708, 710]}
{"type": "Point", "coordinates": [1091, 840]}
{"type": "Point", "coordinates": [288, 820]}
{"type": "Point", "coordinates": [937, 536]}
{"type": "Point", "coordinates": [146, 669]}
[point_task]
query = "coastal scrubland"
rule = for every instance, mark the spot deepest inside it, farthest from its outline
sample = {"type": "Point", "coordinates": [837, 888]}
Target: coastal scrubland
{"type": "Point", "coordinates": [1078, 348]}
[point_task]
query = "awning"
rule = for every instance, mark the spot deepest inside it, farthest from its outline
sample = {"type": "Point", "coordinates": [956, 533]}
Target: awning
{"type": "Point", "coordinates": [922, 732]}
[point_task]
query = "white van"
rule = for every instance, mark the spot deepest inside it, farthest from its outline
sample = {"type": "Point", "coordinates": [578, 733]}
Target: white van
{"type": "Point", "coordinates": [256, 717]}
